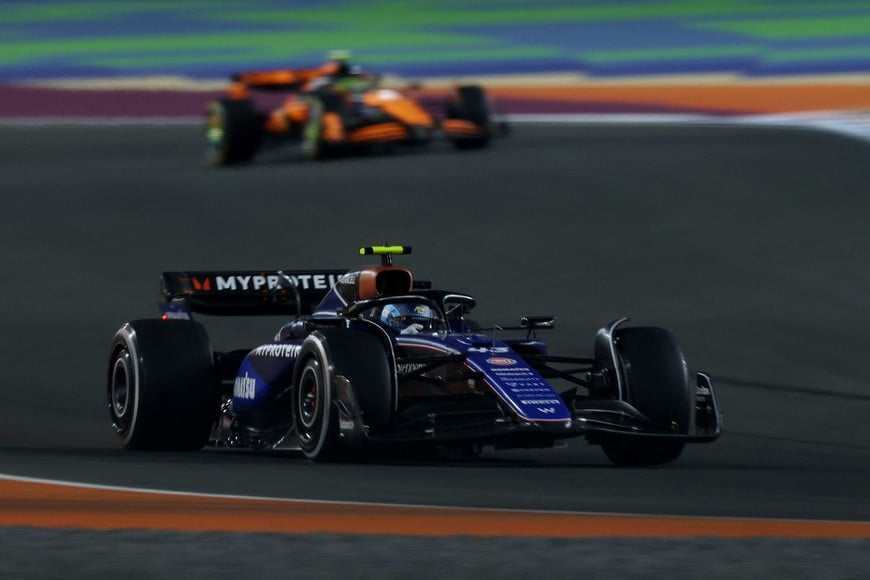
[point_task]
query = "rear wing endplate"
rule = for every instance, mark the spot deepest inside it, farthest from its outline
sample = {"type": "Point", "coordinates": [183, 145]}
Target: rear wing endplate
{"type": "Point", "coordinates": [244, 293]}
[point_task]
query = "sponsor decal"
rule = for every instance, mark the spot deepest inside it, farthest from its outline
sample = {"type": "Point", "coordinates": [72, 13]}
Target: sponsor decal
{"type": "Point", "coordinates": [492, 349]}
{"type": "Point", "coordinates": [540, 401]}
{"type": "Point", "coordinates": [388, 95]}
{"type": "Point", "coordinates": [244, 387]}
{"type": "Point", "coordinates": [520, 386]}
{"type": "Point", "coordinates": [176, 315]}
{"type": "Point", "coordinates": [240, 283]}
{"type": "Point", "coordinates": [408, 368]}
{"type": "Point", "coordinates": [345, 424]}
{"type": "Point", "coordinates": [278, 350]}
{"type": "Point", "coordinates": [247, 282]}
{"type": "Point", "coordinates": [501, 361]}
{"type": "Point", "coordinates": [201, 285]}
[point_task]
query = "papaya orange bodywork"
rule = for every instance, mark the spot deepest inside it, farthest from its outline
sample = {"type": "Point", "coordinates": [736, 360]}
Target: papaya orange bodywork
{"type": "Point", "coordinates": [398, 106]}
{"type": "Point", "coordinates": [278, 77]}
{"type": "Point", "coordinates": [238, 91]}
{"type": "Point", "coordinates": [460, 127]}
{"type": "Point", "coordinates": [336, 109]}
{"type": "Point", "coordinates": [296, 110]}
{"type": "Point", "coordinates": [381, 132]}
{"type": "Point", "coordinates": [277, 122]}
{"type": "Point", "coordinates": [333, 130]}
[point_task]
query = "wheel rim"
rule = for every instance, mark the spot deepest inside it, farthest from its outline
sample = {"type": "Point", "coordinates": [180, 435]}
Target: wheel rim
{"type": "Point", "coordinates": [308, 404]}
{"type": "Point", "coordinates": [311, 131]}
{"type": "Point", "coordinates": [309, 400]}
{"type": "Point", "coordinates": [214, 130]}
{"type": "Point", "coordinates": [121, 389]}
{"type": "Point", "coordinates": [311, 140]}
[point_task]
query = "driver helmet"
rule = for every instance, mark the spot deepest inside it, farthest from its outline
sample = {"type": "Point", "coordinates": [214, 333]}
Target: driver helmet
{"type": "Point", "coordinates": [341, 61]}
{"type": "Point", "coordinates": [409, 318]}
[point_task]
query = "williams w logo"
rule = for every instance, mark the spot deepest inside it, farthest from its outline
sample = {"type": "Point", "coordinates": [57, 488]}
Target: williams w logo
{"type": "Point", "coordinates": [547, 410]}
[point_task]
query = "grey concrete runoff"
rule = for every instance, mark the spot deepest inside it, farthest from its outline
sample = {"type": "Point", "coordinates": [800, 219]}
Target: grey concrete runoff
{"type": "Point", "coordinates": [36, 554]}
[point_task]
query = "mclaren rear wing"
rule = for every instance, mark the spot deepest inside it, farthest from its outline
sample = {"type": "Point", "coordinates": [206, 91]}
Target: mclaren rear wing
{"type": "Point", "coordinates": [288, 79]}
{"type": "Point", "coordinates": [244, 293]}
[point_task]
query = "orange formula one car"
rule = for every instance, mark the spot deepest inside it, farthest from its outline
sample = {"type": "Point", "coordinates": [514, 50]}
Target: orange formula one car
{"type": "Point", "coordinates": [337, 107]}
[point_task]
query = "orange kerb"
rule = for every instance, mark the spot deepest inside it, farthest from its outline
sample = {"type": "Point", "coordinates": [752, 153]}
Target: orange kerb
{"type": "Point", "coordinates": [50, 505]}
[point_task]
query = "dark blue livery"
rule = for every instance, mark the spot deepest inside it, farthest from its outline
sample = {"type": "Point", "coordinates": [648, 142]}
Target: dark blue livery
{"type": "Point", "coordinates": [371, 358]}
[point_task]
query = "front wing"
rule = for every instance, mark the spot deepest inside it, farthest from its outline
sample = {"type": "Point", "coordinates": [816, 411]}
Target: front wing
{"type": "Point", "coordinates": [485, 420]}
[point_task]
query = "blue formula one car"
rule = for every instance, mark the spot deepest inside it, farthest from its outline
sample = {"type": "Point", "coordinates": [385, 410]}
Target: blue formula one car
{"type": "Point", "coordinates": [371, 358]}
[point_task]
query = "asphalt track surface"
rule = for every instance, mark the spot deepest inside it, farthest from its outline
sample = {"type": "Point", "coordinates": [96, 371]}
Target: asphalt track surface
{"type": "Point", "coordinates": [749, 244]}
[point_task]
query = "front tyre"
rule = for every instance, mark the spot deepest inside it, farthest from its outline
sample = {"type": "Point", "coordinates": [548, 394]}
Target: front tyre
{"type": "Point", "coordinates": [314, 417]}
{"type": "Point", "coordinates": [472, 104]}
{"type": "Point", "coordinates": [161, 386]}
{"type": "Point", "coordinates": [640, 452]}
{"type": "Point", "coordinates": [656, 383]}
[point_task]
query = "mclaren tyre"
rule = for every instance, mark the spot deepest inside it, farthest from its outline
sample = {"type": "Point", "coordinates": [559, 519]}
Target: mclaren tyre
{"type": "Point", "coordinates": [471, 104]}
{"type": "Point", "coordinates": [232, 131]}
{"type": "Point", "coordinates": [162, 389]}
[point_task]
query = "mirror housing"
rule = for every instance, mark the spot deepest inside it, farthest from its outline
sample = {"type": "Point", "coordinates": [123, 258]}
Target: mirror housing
{"type": "Point", "coordinates": [536, 322]}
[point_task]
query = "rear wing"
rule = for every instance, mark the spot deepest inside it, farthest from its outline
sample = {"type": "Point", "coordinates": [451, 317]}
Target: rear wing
{"type": "Point", "coordinates": [240, 293]}
{"type": "Point", "coordinates": [278, 80]}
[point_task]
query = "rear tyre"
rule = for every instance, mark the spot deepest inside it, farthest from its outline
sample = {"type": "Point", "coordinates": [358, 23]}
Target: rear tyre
{"type": "Point", "coordinates": [472, 105]}
{"type": "Point", "coordinates": [162, 388]}
{"type": "Point", "coordinates": [656, 384]}
{"type": "Point", "coordinates": [232, 131]}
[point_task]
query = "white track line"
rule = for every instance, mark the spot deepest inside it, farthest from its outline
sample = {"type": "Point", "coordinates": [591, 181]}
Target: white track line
{"type": "Point", "coordinates": [82, 485]}
{"type": "Point", "coordinates": [855, 124]}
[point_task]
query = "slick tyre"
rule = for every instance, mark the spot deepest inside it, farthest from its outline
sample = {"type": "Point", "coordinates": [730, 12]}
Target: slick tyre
{"type": "Point", "coordinates": [315, 419]}
{"type": "Point", "coordinates": [472, 104]}
{"type": "Point", "coordinates": [232, 131]}
{"type": "Point", "coordinates": [657, 384]}
{"type": "Point", "coordinates": [361, 357]}
{"type": "Point", "coordinates": [161, 385]}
